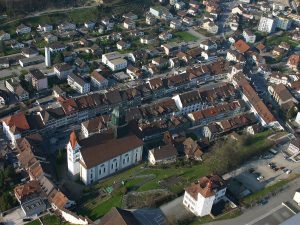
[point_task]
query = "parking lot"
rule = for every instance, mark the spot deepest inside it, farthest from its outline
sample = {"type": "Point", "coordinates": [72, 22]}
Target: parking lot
{"type": "Point", "coordinates": [249, 173]}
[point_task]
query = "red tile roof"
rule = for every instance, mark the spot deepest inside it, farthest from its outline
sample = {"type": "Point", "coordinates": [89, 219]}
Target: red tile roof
{"type": "Point", "coordinates": [17, 122]}
{"type": "Point", "coordinates": [241, 46]}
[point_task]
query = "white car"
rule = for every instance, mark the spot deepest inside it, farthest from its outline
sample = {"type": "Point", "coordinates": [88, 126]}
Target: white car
{"type": "Point", "coordinates": [260, 178]}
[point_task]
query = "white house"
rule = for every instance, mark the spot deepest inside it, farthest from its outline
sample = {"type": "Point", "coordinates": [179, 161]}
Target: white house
{"type": "Point", "coordinates": [78, 84]}
{"type": "Point", "coordinates": [267, 24]}
{"type": "Point", "coordinates": [89, 25]}
{"type": "Point", "coordinates": [114, 61]}
{"type": "Point", "coordinates": [14, 126]}
{"type": "Point", "coordinates": [98, 81]}
{"type": "Point", "coordinates": [208, 45]}
{"type": "Point", "coordinates": [162, 155]}
{"type": "Point", "coordinates": [249, 36]}
{"type": "Point", "coordinates": [188, 102]}
{"type": "Point", "coordinates": [63, 70]}
{"type": "Point", "coordinates": [200, 196]}
{"type": "Point", "coordinates": [45, 27]}
{"type": "Point", "coordinates": [100, 155]}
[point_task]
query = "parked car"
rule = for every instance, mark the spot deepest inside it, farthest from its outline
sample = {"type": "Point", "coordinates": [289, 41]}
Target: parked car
{"type": "Point", "coordinates": [264, 201]}
{"type": "Point", "coordinates": [260, 178]}
{"type": "Point", "coordinates": [287, 171]}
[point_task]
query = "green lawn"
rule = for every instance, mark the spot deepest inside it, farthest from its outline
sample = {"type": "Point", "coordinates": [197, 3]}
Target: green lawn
{"type": "Point", "coordinates": [35, 222]}
{"type": "Point", "coordinates": [148, 179]}
{"type": "Point", "coordinates": [53, 220]}
{"type": "Point", "coordinates": [185, 36]}
{"type": "Point", "coordinates": [277, 39]}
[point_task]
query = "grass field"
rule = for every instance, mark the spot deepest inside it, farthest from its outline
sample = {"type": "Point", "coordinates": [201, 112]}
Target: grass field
{"type": "Point", "coordinates": [94, 208]}
{"type": "Point", "coordinates": [34, 222]}
{"type": "Point", "coordinates": [52, 220]}
{"type": "Point", "coordinates": [277, 39]}
{"type": "Point", "coordinates": [185, 36]}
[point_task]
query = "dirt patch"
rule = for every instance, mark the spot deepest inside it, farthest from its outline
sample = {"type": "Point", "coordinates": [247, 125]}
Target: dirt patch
{"type": "Point", "coordinates": [153, 198]}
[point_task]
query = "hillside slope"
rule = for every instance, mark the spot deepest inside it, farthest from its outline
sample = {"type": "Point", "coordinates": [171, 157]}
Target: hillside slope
{"type": "Point", "coordinates": [26, 6]}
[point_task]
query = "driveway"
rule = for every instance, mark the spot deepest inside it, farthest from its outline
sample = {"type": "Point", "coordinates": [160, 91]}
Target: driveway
{"type": "Point", "coordinates": [175, 210]}
{"type": "Point", "coordinates": [250, 214]}
{"type": "Point", "coordinates": [15, 217]}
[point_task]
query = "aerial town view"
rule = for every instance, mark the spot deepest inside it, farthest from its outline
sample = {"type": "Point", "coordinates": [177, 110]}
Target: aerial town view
{"type": "Point", "coordinates": [149, 112]}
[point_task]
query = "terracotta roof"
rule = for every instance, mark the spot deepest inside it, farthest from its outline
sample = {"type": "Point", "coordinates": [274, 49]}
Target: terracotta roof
{"type": "Point", "coordinates": [294, 60]}
{"type": "Point", "coordinates": [17, 122]}
{"type": "Point", "coordinates": [27, 189]}
{"type": "Point", "coordinates": [260, 47]}
{"type": "Point", "coordinates": [206, 186]}
{"type": "Point", "coordinates": [97, 76]}
{"type": "Point", "coordinates": [254, 99]}
{"type": "Point", "coordinates": [73, 139]}
{"type": "Point", "coordinates": [59, 199]}
{"type": "Point", "coordinates": [192, 149]}
{"type": "Point", "coordinates": [241, 46]}
{"type": "Point", "coordinates": [117, 216]}
{"type": "Point", "coordinates": [100, 148]}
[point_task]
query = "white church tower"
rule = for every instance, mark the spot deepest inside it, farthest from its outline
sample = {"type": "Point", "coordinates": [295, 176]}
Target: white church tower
{"type": "Point", "coordinates": [73, 155]}
{"type": "Point", "coordinates": [47, 57]}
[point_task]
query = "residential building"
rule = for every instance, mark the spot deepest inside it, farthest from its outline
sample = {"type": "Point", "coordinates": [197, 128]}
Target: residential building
{"type": "Point", "coordinates": [94, 126]}
{"type": "Point", "coordinates": [89, 25]}
{"type": "Point", "coordinates": [63, 70]}
{"type": "Point", "coordinates": [283, 23]}
{"type": "Point", "coordinates": [293, 62]}
{"type": "Point", "coordinates": [114, 61]}
{"type": "Point", "coordinates": [200, 196]}
{"type": "Point", "coordinates": [15, 87]}
{"type": "Point", "coordinates": [14, 126]}
{"type": "Point", "coordinates": [4, 36]}
{"type": "Point", "coordinates": [129, 24]}
{"type": "Point", "coordinates": [162, 155]}
{"type": "Point", "coordinates": [30, 52]}
{"type": "Point", "coordinates": [281, 94]}
{"type": "Point", "coordinates": [267, 24]}
{"type": "Point", "coordinates": [28, 195]}
{"type": "Point", "coordinates": [66, 27]}
{"type": "Point", "coordinates": [192, 149]}
{"type": "Point", "coordinates": [249, 36]}
{"type": "Point", "coordinates": [38, 79]}
{"type": "Point", "coordinates": [45, 27]}
{"type": "Point", "coordinates": [98, 81]}
{"type": "Point", "coordinates": [78, 84]}
{"type": "Point", "coordinates": [23, 29]}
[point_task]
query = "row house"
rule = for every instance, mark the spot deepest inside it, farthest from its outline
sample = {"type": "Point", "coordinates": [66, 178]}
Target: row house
{"type": "Point", "coordinates": [257, 106]}
{"type": "Point", "coordinates": [218, 129]}
{"type": "Point", "coordinates": [215, 113]}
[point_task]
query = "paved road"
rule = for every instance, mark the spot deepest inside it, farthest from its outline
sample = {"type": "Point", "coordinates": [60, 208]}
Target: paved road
{"type": "Point", "coordinates": [250, 214]}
